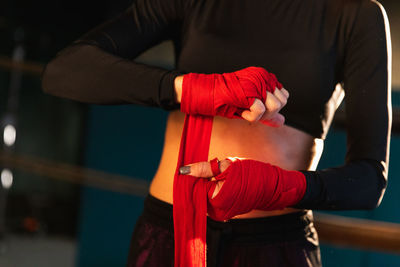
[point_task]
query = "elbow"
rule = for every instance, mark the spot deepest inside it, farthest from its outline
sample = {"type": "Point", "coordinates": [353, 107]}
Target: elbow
{"type": "Point", "coordinates": [46, 80]}
{"type": "Point", "coordinates": [375, 201]}
{"type": "Point", "coordinates": [52, 79]}
{"type": "Point", "coordinates": [377, 193]}
{"type": "Point", "coordinates": [59, 75]}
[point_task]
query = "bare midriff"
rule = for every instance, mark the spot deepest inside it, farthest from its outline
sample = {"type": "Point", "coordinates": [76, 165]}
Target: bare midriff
{"type": "Point", "coordinates": [285, 146]}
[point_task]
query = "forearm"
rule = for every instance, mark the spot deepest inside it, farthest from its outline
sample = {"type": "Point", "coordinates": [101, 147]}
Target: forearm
{"type": "Point", "coordinates": [99, 68]}
{"type": "Point", "coordinates": [357, 185]}
{"type": "Point", "coordinates": [88, 74]}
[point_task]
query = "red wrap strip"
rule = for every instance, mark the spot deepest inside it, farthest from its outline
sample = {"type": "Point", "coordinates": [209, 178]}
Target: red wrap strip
{"type": "Point", "coordinates": [190, 194]}
{"type": "Point", "coordinates": [215, 166]}
{"type": "Point", "coordinates": [208, 95]}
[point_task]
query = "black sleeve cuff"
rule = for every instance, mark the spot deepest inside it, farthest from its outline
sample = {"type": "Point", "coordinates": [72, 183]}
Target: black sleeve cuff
{"type": "Point", "coordinates": [167, 90]}
{"type": "Point", "coordinates": [358, 185]}
{"type": "Point", "coordinates": [314, 191]}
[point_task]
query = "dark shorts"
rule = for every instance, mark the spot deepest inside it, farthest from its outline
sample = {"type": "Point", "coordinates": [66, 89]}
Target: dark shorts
{"type": "Point", "coordinates": [285, 240]}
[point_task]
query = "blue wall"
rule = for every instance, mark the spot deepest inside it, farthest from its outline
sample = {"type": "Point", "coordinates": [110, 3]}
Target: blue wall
{"type": "Point", "coordinates": [125, 140]}
{"type": "Point", "coordinates": [107, 219]}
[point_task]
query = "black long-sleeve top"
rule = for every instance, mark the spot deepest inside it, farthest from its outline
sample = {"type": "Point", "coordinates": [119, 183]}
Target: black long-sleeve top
{"type": "Point", "coordinates": [311, 45]}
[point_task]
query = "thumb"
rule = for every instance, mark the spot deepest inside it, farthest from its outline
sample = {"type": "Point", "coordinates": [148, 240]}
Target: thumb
{"type": "Point", "coordinates": [203, 169]}
{"type": "Point", "coordinates": [198, 169]}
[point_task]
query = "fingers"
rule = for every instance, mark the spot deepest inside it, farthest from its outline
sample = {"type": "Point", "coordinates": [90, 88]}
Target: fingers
{"type": "Point", "coordinates": [282, 96]}
{"type": "Point", "coordinates": [268, 112]}
{"type": "Point", "coordinates": [255, 112]}
{"type": "Point", "coordinates": [203, 169]}
{"type": "Point", "coordinates": [285, 92]}
{"type": "Point", "coordinates": [274, 103]}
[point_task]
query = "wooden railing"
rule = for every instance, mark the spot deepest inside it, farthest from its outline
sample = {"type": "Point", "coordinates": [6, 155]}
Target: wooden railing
{"type": "Point", "coordinates": [358, 233]}
{"type": "Point", "coordinates": [27, 67]}
{"type": "Point", "coordinates": [74, 174]}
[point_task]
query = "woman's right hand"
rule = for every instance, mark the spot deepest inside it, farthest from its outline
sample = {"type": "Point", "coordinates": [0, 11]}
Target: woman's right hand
{"type": "Point", "coordinates": [266, 112]}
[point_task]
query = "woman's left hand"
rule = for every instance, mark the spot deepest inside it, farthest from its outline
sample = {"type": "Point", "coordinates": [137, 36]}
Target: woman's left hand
{"type": "Point", "coordinates": [245, 184]}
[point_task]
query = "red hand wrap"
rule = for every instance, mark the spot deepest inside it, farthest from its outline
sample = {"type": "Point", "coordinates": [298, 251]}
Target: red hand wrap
{"type": "Point", "coordinates": [251, 184]}
{"type": "Point", "coordinates": [213, 94]}
{"type": "Point", "coordinates": [226, 94]}
{"type": "Point", "coordinates": [215, 167]}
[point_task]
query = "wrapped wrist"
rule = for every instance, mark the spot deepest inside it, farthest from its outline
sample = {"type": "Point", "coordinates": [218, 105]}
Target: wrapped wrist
{"type": "Point", "coordinates": [225, 94]}
{"type": "Point", "coordinates": [251, 184]}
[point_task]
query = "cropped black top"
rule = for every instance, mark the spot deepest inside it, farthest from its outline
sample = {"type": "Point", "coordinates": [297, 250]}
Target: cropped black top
{"type": "Point", "coordinates": [313, 46]}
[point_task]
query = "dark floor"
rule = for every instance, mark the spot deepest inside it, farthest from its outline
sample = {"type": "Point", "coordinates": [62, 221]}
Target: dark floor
{"type": "Point", "coordinates": [25, 251]}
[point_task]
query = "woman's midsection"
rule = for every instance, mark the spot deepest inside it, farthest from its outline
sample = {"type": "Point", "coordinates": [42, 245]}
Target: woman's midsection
{"type": "Point", "coordinates": [285, 147]}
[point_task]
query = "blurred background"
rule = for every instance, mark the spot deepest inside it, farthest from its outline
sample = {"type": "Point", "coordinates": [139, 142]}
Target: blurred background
{"type": "Point", "coordinates": [74, 176]}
